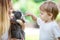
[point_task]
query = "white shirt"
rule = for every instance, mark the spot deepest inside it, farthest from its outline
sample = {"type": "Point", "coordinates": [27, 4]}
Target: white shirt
{"type": "Point", "coordinates": [48, 31]}
{"type": "Point", "coordinates": [5, 36]}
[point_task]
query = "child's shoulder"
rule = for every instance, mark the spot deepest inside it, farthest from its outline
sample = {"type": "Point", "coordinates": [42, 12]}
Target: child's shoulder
{"type": "Point", "coordinates": [54, 24]}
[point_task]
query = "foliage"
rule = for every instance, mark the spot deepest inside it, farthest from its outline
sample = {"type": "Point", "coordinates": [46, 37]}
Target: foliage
{"type": "Point", "coordinates": [14, 1]}
{"type": "Point", "coordinates": [38, 1]}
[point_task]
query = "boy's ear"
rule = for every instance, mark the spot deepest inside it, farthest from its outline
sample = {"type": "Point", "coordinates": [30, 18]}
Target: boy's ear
{"type": "Point", "coordinates": [51, 15]}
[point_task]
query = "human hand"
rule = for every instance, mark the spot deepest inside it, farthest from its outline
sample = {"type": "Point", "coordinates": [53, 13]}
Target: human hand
{"type": "Point", "coordinates": [28, 14]}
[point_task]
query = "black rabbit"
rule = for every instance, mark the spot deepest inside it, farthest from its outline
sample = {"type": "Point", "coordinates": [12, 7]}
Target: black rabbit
{"type": "Point", "coordinates": [16, 28]}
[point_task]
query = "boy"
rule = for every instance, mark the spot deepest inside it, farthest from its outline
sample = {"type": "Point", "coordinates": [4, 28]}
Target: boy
{"type": "Point", "coordinates": [49, 30]}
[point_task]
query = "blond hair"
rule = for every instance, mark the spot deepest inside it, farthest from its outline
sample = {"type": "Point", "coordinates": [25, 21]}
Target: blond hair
{"type": "Point", "coordinates": [4, 17]}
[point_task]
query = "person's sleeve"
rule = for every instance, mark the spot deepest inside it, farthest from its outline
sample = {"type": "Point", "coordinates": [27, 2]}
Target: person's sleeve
{"type": "Point", "coordinates": [39, 21]}
{"type": "Point", "coordinates": [56, 31]}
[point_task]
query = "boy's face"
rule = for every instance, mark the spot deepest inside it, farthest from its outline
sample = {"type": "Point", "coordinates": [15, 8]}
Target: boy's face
{"type": "Point", "coordinates": [44, 16]}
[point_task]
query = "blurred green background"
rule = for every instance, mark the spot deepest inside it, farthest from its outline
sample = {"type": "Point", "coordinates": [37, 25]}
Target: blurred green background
{"type": "Point", "coordinates": [32, 6]}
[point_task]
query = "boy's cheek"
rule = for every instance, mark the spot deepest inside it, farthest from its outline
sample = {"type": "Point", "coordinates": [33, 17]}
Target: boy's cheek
{"type": "Point", "coordinates": [43, 18]}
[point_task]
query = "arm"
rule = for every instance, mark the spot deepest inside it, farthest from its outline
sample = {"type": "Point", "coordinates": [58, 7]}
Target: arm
{"type": "Point", "coordinates": [37, 20]}
{"type": "Point", "coordinates": [33, 17]}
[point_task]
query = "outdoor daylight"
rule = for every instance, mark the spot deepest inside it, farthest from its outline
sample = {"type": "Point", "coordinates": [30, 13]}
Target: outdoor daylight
{"type": "Point", "coordinates": [29, 19]}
